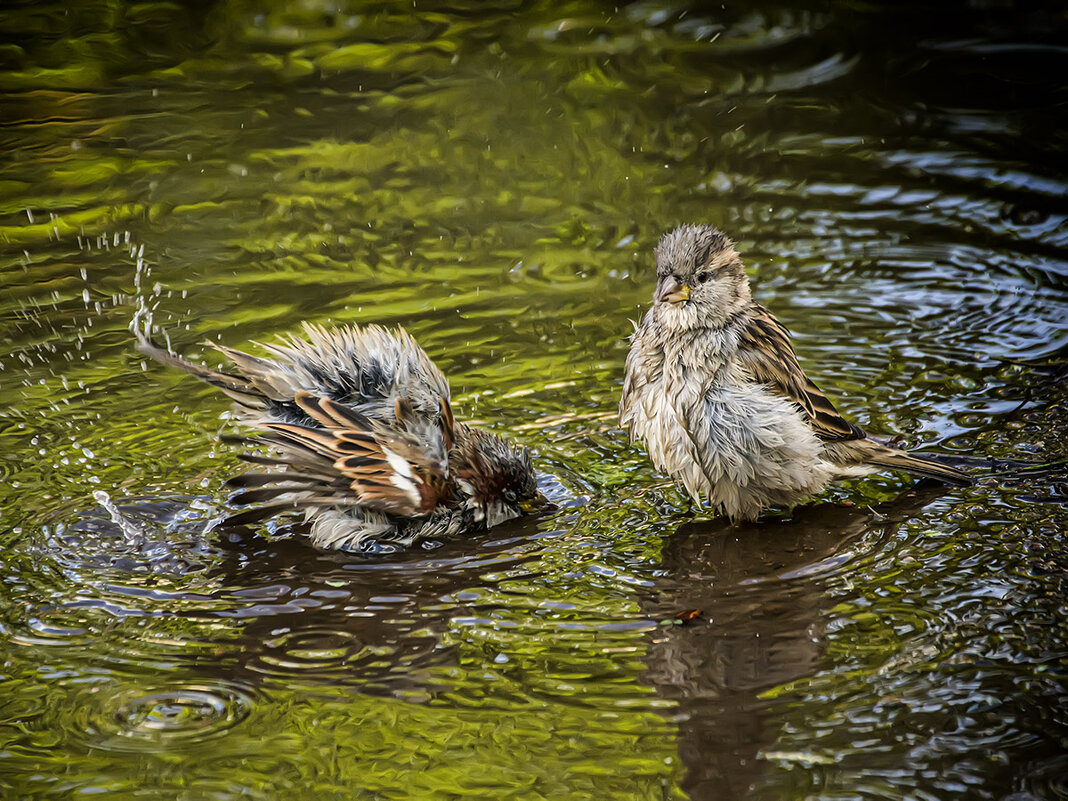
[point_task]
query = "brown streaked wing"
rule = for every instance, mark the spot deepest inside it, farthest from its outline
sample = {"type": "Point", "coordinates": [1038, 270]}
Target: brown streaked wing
{"type": "Point", "coordinates": [387, 469]}
{"type": "Point", "coordinates": [331, 414]}
{"type": "Point", "coordinates": [448, 423]}
{"type": "Point", "coordinates": [765, 350]}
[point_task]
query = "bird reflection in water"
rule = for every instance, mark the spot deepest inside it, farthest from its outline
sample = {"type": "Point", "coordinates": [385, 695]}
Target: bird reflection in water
{"type": "Point", "coordinates": [749, 602]}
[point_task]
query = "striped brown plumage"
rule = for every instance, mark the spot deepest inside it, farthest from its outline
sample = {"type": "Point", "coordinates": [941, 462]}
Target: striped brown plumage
{"type": "Point", "coordinates": [356, 432]}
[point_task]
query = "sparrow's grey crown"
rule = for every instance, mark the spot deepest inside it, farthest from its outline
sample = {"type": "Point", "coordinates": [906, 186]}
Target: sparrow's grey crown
{"type": "Point", "coordinates": [688, 248]}
{"type": "Point", "coordinates": [701, 282]}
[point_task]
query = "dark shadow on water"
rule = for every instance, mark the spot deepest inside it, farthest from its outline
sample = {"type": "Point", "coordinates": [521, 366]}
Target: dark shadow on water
{"type": "Point", "coordinates": [747, 601]}
{"type": "Point", "coordinates": [376, 624]}
{"type": "Point", "coordinates": [372, 622]}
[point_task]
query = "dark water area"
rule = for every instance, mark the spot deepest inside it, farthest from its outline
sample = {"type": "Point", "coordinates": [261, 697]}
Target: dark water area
{"type": "Point", "coordinates": [494, 179]}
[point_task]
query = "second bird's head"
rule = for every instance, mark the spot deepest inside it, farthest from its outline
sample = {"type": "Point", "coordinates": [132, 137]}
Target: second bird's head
{"type": "Point", "coordinates": [700, 280]}
{"type": "Point", "coordinates": [496, 477]}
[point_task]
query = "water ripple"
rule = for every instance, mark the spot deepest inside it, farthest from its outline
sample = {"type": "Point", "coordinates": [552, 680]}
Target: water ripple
{"type": "Point", "coordinates": [495, 180]}
{"type": "Point", "coordinates": [172, 717]}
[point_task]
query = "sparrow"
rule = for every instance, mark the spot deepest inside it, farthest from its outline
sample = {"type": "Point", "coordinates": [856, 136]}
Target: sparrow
{"type": "Point", "coordinates": [715, 392]}
{"type": "Point", "coordinates": [361, 438]}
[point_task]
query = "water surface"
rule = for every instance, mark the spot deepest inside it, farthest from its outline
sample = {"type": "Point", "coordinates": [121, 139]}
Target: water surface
{"type": "Point", "coordinates": [495, 180]}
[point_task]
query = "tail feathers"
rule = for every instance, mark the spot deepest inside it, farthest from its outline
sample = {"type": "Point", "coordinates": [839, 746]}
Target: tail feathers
{"type": "Point", "coordinates": [920, 466]}
{"type": "Point", "coordinates": [238, 388]}
{"type": "Point", "coordinates": [278, 381]}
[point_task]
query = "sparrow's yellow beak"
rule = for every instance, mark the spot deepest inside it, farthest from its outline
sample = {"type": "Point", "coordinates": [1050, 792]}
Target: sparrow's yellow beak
{"type": "Point", "coordinates": [671, 290]}
{"type": "Point", "coordinates": [536, 504]}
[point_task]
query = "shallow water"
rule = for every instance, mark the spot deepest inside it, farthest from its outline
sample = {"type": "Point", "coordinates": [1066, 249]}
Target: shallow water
{"type": "Point", "coordinates": [495, 182]}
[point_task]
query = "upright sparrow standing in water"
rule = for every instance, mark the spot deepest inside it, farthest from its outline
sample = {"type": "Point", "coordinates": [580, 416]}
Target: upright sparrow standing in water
{"type": "Point", "coordinates": [362, 440]}
{"type": "Point", "coordinates": [714, 390]}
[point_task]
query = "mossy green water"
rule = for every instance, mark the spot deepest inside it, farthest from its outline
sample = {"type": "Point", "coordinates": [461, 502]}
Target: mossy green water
{"type": "Point", "coordinates": [494, 180]}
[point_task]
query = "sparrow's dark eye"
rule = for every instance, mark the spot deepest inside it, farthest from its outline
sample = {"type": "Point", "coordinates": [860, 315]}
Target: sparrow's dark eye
{"type": "Point", "coordinates": [703, 276]}
{"type": "Point", "coordinates": [508, 494]}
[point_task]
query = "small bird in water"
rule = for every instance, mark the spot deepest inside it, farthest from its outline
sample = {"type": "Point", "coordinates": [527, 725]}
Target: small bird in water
{"type": "Point", "coordinates": [362, 440]}
{"type": "Point", "coordinates": [715, 391]}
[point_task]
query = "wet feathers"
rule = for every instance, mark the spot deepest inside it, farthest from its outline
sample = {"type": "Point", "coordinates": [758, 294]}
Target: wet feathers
{"type": "Point", "coordinates": [358, 434]}
{"type": "Point", "coordinates": [714, 390]}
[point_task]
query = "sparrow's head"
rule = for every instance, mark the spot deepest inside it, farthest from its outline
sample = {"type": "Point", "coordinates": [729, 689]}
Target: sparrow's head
{"type": "Point", "coordinates": [700, 280]}
{"type": "Point", "coordinates": [496, 476]}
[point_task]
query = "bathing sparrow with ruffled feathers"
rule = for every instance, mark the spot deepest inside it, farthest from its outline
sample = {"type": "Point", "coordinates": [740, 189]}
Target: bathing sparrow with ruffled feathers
{"type": "Point", "coordinates": [358, 435]}
{"type": "Point", "coordinates": [715, 392]}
